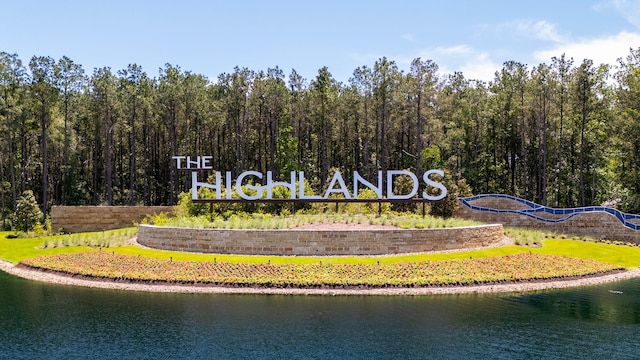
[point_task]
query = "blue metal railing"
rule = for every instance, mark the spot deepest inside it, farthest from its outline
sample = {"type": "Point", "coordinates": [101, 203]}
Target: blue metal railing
{"type": "Point", "coordinates": [533, 209]}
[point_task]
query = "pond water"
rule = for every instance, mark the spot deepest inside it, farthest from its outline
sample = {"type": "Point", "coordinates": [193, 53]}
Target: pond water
{"type": "Point", "coordinates": [45, 321]}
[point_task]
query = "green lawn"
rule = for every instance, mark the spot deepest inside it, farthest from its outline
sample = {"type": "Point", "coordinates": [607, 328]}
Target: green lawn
{"type": "Point", "coordinates": [15, 250]}
{"type": "Point", "coordinates": [622, 255]}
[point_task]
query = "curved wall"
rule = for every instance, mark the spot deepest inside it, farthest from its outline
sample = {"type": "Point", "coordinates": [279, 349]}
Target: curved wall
{"type": "Point", "coordinates": [318, 242]}
{"type": "Point", "coordinates": [597, 221]}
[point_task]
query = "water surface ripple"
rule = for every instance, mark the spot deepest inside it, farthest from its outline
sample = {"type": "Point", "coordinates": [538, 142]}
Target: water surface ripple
{"type": "Point", "coordinates": [39, 320]}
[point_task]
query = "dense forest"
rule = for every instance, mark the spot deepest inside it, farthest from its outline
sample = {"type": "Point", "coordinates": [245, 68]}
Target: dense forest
{"type": "Point", "coordinates": [562, 134]}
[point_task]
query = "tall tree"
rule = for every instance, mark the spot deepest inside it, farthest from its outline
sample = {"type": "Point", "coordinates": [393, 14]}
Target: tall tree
{"type": "Point", "coordinates": [423, 78]}
{"type": "Point", "coordinates": [299, 114]}
{"type": "Point", "coordinates": [508, 119]}
{"type": "Point", "coordinates": [589, 99]}
{"type": "Point", "coordinates": [236, 88]}
{"type": "Point", "coordinates": [463, 110]}
{"type": "Point", "coordinates": [70, 80]}
{"type": "Point", "coordinates": [45, 94]}
{"type": "Point", "coordinates": [170, 91]}
{"type": "Point", "coordinates": [562, 73]}
{"type": "Point", "coordinates": [132, 82]}
{"type": "Point", "coordinates": [363, 81]}
{"type": "Point", "coordinates": [541, 92]}
{"type": "Point", "coordinates": [13, 77]}
{"type": "Point", "coordinates": [628, 141]}
{"type": "Point", "coordinates": [324, 91]}
{"type": "Point", "coordinates": [386, 78]}
{"type": "Point", "coordinates": [104, 85]}
{"type": "Point", "coordinates": [195, 110]}
{"type": "Point", "coordinates": [551, 134]}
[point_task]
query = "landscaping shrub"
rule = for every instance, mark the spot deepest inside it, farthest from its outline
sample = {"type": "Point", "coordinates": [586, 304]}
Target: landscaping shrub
{"type": "Point", "coordinates": [455, 188]}
{"type": "Point", "coordinates": [27, 214]}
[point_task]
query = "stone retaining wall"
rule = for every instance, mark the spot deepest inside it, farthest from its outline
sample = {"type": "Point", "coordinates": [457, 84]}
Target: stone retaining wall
{"type": "Point", "coordinates": [72, 219]}
{"type": "Point", "coordinates": [318, 242]}
{"type": "Point", "coordinates": [600, 225]}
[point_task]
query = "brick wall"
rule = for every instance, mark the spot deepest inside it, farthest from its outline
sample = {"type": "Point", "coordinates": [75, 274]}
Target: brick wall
{"type": "Point", "coordinates": [326, 242]}
{"type": "Point", "coordinates": [597, 224]}
{"type": "Point", "coordinates": [73, 219]}
{"type": "Point", "coordinates": [318, 242]}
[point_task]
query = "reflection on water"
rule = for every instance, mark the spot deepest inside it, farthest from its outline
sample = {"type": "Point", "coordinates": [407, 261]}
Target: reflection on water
{"type": "Point", "coordinates": [605, 303]}
{"type": "Point", "coordinates": [52, 321]}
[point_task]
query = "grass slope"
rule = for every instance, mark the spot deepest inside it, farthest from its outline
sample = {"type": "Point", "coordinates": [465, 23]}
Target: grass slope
{"type": "Point", "coordinates": [15, 250]}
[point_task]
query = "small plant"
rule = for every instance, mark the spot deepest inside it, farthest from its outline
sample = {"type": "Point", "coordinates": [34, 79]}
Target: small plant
{"type": "Point", "coordinates": [526, 237]}
{"type": "Point", "coordinates": [285, 212]}
{"type": "Point", "coordinates": [107, 264]}
{"type": "Point", "coordinates": [109, 238]}
{"type": "Point", "coordinates": [39, 231]}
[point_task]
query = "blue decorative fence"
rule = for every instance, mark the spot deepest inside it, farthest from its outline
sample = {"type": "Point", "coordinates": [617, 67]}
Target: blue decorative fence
{"type": "Point", "coordinates": [598, 221]}
{"type": "Point", "coordinates": [534, 209]}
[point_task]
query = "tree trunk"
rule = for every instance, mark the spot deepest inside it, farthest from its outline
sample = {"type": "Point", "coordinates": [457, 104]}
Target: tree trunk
{"type": "Point", "coordinates": [45, 161]}
{"type": "Point", "coordinates": [132, 154]}
{"type": "Point", "coordinates": [108, 152]}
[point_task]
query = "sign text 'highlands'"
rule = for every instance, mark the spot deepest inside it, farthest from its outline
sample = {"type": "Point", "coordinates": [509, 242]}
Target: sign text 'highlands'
{"type": "Point", "coordinates": [264, 184]}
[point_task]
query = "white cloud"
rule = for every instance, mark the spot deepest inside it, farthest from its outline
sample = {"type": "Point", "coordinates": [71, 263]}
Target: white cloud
{"type": "Point", "coordinates": [472, 63]}
{"type": "Point", "coordinates": [456, 50]}
{"type": "Point", "coordinates": [480, 67]}
{"type": "Point", "coordinates": [481, 64]}
{"type": "Point", "coordinates": [527, 28]}
{"type": "Point", "coordinates": [436, 54]}
{"type": "Point", "coordinates": [409, 37]}
{"type": "Point", "coordinates": [601, 50]}
{"type": "Point", "coordinates": [541, 30]}
{"type": "Point", "coordinates": [628, 9]}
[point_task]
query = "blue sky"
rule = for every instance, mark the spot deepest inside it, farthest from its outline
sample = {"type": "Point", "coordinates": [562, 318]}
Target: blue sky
{"type": "Point", "coordinates": [212, 37]}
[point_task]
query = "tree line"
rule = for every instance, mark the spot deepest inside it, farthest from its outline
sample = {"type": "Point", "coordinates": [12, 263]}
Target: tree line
{"type": "Point", "coordinates": [561, 134]}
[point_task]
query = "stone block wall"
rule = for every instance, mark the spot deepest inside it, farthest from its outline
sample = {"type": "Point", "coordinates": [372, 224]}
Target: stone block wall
{"type": "Point", "coordinates": [73, 219]}
{"type": "Point", "coordinates": [318, 242]}
{"type": "Point", "coordinates": [597, 224]}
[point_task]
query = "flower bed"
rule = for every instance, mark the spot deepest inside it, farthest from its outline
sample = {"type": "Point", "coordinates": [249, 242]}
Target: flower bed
{"type": "Point", "coordinates": [511, 268]}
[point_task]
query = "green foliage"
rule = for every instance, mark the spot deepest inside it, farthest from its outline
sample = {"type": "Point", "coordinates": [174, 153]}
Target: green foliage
{"type": "Point", "coordinates": [287, 146]}
{"type": "Point", "coordinates": [455, 188]}
{"type": "Point", "coordinates": [186, 207]}
{"type": "Point", "coordinates": [430, 158]}
{"type": "Point", "coordinates": [403, 184]}
{"type": "Point", "coordinates": [243, 220]}
{"type": "Point", "coordinates": [27, 214]}
{"type": "Point", "coordinates": [527, 237]}
{"type": "Point", "coordinates": [194, 222]}
{"type": "Point", "coordinates": [372, 207]}
{"type": "Point", "coordinates": [39, 230]}
{"type": "Point", "coordinates": [157, 219]}
{"type": "Point", "coordinates": [563, 134]}
{"type": "Point", "coordinates": [100, 239]}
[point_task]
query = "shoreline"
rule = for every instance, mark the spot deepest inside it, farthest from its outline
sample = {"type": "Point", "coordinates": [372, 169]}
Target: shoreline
{"type": "Point", "coordinates": [526, 286]}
